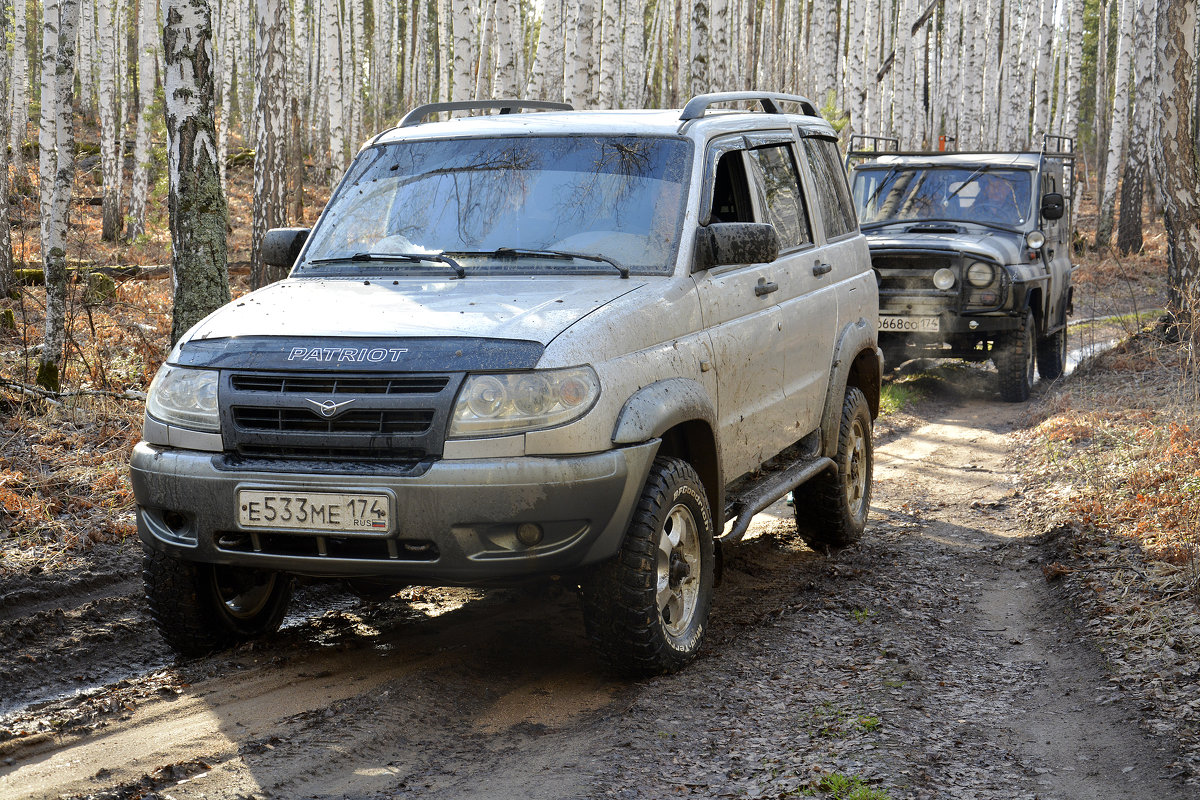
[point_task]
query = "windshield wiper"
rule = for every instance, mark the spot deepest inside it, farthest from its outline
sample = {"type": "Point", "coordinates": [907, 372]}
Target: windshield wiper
{"type": "Point", "coordinates": [879, 188]}
{"type": "Point", "coordinates": [533, 253]}
{"type": "Point", "coordinates": [411, 258]}
{"type": "Point", "coordinates": [968, 181]}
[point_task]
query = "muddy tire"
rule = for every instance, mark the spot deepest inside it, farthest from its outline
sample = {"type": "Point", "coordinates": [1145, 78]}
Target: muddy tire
{"type": "Point", "coordinates": [1013, 354]}
{"type": "Point", "coordinates": [1052, 355]}
{"type": "Point", "coordinates": [646, 610]}
{"type": "Point", "coordinates": [831, 509]}
{"type": "Point", "coordinates": [199, 608]}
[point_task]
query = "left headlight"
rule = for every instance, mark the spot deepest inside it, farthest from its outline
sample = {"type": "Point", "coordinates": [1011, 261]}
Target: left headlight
{"type": "Point", "coordinates": [185, 397]}
{"type": "Point", "coordinates": [515, 402]}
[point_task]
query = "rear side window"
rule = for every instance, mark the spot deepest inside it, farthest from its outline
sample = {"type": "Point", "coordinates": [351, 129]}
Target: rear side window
{"type": "Point", "coordinates": [779, 184]}
{"type": "Point", "coordinates": [834, 194]}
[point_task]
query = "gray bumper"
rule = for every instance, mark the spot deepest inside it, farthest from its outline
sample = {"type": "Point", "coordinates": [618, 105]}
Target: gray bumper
{"type": "Point", "coordinates": [454, 524]}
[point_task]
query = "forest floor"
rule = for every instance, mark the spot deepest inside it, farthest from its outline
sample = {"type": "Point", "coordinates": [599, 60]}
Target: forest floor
{"type": "Point", "coordinates": [1017, 622]}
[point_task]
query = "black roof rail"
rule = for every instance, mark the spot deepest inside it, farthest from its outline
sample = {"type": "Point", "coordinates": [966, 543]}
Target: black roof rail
{"type": "Point", "coordinates": [1053, 145]}
{"type": "Point", "coordinates": [696, 107]}
{"type": "Point", "coordinates": [877, 144]}
{"type": "Point", "coordinates": [418, 114]}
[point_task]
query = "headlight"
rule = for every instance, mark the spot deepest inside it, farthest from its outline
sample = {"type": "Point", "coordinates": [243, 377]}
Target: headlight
{"type": "Point", "coordinates": [493, 405]}
{"type": "Point", "coordinates": [943, 279]}
{"type": "Point", "coordinates": [185, 397]}
{"type": "Point", "coordinates": [1035, 239]}
{"type": "Point", "coordinates": [980, 273]}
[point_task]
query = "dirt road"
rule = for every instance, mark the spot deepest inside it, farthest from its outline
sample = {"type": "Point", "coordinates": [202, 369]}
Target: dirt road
{"type": "Point", "coordinates": [932, 660]}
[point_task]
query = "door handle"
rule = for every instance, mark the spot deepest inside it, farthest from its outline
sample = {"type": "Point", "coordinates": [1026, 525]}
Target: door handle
{"type": "Point", "coordinates": [765, 287]}
{"type": "Point", "coordinates": [822, 269]}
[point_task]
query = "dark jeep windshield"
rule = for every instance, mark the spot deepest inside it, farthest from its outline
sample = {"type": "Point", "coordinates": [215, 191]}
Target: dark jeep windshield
{"type": "Point", "coordinates": [491, 203]}
{"type": "Point", "coordinates": [974, 193]}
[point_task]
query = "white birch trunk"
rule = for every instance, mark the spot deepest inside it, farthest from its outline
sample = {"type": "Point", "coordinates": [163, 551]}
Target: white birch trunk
{"type": "Point", "coordinates": [1120, 123]}
{"type": "Point", "coordinates": [484, 74]}
{"type": "Point", "coordinates": [1074, 69]}
{"type": "Point", "coordinates": [6, 260]}
{"type": "Point", "coordinates": [824, 50]}
{"type": "Point", "coordinates": [545, 79]}
{"type": "Point", "coordinates": [463, 87]}
{"type": "Point", "coordinates": [224, 82]}
{"type": "Point", "coordinates": [139, 189]}
{"type": "Point", "coordinates": [331, 40]}
{"type": "Point", "coordinates": [270, 145]}
{"type": "Point", "coordinates": [110, 162]}
{"type": "Point", "coordinates": [57, 172]}
{"type": "Point", "coordinates": [19, 95]}
{"type": "Point", "coordinates": [1044, 72]}
{"type": "Point", "coordinates": [507, 42]}
{"type": "Point", "coordinates": [576, 78]}
{"type": "Point", "coordinates": [610, 53]}
{"type": "Point", "coordinates": [87, 56]}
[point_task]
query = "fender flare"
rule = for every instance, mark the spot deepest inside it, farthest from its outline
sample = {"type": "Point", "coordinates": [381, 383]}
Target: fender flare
{"type": "Point", "coordinates": [660, 406]}
{"type": "Point", "coordinates": [856, 337]}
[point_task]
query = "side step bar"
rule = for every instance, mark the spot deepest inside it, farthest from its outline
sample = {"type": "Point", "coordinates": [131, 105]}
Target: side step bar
{"type": "Point", "coordinates": [771, 488]}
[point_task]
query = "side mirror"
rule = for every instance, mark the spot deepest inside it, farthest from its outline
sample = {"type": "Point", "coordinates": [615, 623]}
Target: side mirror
{"type": "Point", "coordinates": [724, 243]}
{"type": "Point", "coordinates": [1053, 205]}
{"type": "Point", "coordinates": [281, 246]}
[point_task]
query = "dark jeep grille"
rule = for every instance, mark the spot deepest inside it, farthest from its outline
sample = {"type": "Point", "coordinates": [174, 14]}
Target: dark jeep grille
{"type": "Point", "coordinates": [373, 417]}
{"type": "Point", "coordinates": [912, 275]}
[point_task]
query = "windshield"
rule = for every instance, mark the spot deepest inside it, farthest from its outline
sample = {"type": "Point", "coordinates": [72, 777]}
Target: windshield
{"type": "Point", "coordinates": [496, 205]}
{"type": "Point", "coordinates": [983, 194]}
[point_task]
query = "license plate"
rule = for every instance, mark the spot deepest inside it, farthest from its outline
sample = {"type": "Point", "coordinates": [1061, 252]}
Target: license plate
{"type": "Point", "coordinates": [904, 324]}
{"type": "Point", "coordinates": [314, 511]}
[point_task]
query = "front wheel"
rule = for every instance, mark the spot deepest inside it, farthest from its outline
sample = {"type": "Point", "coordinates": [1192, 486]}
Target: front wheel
{"type": "Point", "coordinates": [1014, 357]}
{"type": "Point", "coordinates": [199, 608]}
{"type": "Point", "coordinates": [831, 509]}
{"type": "Point", "coordinates": [646, 609]}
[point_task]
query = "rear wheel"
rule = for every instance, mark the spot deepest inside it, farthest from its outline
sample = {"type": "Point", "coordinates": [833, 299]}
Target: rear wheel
{"type": "Point", "coordinates": [199, 608]}
{"type": "Point", "coordinates": [1052, 355]}
{"type": "Point", "coordinates": [646, 609]}
{"type": "Point", "coordinates": [831, 509]}
{"type": "Point", "coordinates": [1014, 359]}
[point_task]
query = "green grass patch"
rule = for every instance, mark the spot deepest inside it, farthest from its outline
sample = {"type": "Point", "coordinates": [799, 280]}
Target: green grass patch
{"type": "Point", "coordinates": [844, 787]}
{"type": "Point", "coordinates": [895, 397]}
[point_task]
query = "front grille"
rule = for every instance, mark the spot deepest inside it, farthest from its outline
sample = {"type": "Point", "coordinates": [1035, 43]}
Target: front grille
{"type": "Point", "coordinates": [376, 421]}
{"type": "Point", "coordinates": [374, 417]}
{"type": "Point", "coordinates": [912, 275]}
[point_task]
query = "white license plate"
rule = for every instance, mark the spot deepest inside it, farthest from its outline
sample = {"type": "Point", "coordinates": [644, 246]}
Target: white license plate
{"type": "Point", "coordinates": [905, 324]}
{"type": "Point", "coordinates": [314, 511]}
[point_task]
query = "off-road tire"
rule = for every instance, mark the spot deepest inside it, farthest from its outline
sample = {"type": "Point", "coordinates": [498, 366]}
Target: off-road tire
{"type": "Point", "coordinates": [1052, 355]}
{"type": "Point", "coordinates": [629, 600]}
{"type": "Point", "coordinates": [1013, 354]}
{"type": "Point", "coordinates": [831, 509]}
{"type": "Point", "coordinates": [196, 616]}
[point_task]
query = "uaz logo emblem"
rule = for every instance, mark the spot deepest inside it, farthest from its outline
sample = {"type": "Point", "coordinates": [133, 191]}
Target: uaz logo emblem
{"type": "Point", "coordinates": [328, 408]}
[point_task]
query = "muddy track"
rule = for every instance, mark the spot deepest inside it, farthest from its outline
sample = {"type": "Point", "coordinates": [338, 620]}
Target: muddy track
{"type": "Point", "coordinates": [931, 660]}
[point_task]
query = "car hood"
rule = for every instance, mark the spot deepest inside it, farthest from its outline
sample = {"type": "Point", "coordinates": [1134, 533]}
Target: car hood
{"type": "Point", "coordinates": [1001, 246]}
{"type": "Point", "coordinates": [535, 308]}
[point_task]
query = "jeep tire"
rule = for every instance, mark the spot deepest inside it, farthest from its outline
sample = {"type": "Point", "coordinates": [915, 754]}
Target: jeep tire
{"type": "Point", "coordinates": [646, 610]}
{"type": "Point", "coordinates": [1052, 355]}
{"type": "Point", "coordinates": [831, 509]}
{"type": "Point", "coordinates": [1013, 354]}
{"type": "Point", "coordinates": [199, 608]}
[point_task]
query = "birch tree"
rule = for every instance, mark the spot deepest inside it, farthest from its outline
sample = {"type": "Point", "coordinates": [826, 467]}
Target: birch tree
{"type": "Point", "coordinates": [1176, 68]}
{"type": "Point", "coordinates": [56, 169]}
{"type": "Point", "coordinates": [107, 13]}
{"type": "Point", "coordinates": [463, 87]}
{"type": "Point", "coordinates": [195, 201]}
{"type": "Point", "coordinates": [1117, 129]}
{"type": "Point", "coordinates": [270, 145]}
{"type": "Point", "coordinates": [6, 259]}
{"type": "Point", "coordinates": [546, 76]}
{"type": "Point", "coordinates": [19, 96]}
{"type": "Point", "coordinates": [331, 46]}
{"type": "Point", "coordinates": [1137, 164]}
{"type": "Point", "coordinates": [139, 188]}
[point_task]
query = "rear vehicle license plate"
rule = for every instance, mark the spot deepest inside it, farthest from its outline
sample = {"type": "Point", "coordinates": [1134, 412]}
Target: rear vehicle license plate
{"type": "Point", "coordinates": [903, 324]}
{"type": "Point", "coordinates": [314, 511]}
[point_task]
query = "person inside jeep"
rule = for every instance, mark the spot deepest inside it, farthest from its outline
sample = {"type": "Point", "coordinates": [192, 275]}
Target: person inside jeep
{"type": "Point", "coordinates": [996, 201]}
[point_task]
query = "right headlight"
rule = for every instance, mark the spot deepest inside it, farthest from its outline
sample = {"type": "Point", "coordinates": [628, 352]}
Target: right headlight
{"type": "Point", "coordinates": [185, 397]}
{"type": "Point", "coordinates": [980, 273]}
{"type": "Point", "coordinates": [515, 402]}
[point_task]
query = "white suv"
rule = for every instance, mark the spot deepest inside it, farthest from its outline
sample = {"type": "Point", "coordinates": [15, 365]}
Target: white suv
{"type": "Point", "coordinates": [590, 344]}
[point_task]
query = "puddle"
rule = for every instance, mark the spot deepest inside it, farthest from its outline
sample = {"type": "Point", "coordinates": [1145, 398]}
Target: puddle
{"type": "Point", "coordinates": [1079, 355]}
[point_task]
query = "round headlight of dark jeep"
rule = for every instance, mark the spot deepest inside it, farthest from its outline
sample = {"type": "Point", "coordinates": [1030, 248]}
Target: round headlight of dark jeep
{"type": "Point", "coordinates": [1035, 240]}
{"type": "Point", "coordinates": [943, 279]}
{"type": "Point", "coordinates": [980, 273]}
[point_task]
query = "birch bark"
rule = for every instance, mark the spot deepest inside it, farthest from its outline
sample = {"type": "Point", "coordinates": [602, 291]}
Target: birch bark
{"type": "Point", "coordinates": [87, 56]}
{"type": "Point", "coordinates": [1137, 165]}
{"type": "Point", "coordinates": [6, 260]}
{"type": "Point", "coordinates": [1044, 73]}
{"type": "Point", "coordinates": [110, 161]}
{"type": "Point", "coordinates": [20, 85]}
{"type": "Point", "coordinates": [507, 43]}
{"type": "Point", "coordinates": [139, 189]}
{"type": "Point", "coordinates": [461, 25]}
{"type": "Point", "coordinates": [545, 79]}
{"type": "Point", "coordinates": [195, 201]}
{"type": "Point", "coordinates": [699, 47]}
{"type": "Point", "coordinates": [56, 167]}
{"type": "Point", "coordinates": [331, 35]}
{"type": "Point", "coordinates": [270, 145]}
{"type": "Point", "coordinates": [1120, 122]}
{"type": "Point", "coordinates": [1074, 69]}
{"type": "Point", "coordinates": [576, 83]}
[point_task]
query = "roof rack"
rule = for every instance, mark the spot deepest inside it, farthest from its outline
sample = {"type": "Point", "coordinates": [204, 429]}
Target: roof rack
{"type": "Point", "coordinates": [696, 107]}
{"type": "Point", "coordinates": [877, 144]}
{"type": "Point", "coordinates": [419, 114]}
{"type": "Point", "coordinates": [1058, 145]}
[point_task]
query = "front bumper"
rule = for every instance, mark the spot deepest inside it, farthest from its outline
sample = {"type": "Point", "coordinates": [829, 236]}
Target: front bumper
{"type": "Point", "coordinates": [455, 522]}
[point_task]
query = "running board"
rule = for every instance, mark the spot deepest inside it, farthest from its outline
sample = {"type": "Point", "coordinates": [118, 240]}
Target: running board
{"type": "Point", "coordinates": [774, 486]}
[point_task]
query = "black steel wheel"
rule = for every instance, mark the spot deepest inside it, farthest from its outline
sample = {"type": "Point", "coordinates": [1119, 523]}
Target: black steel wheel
{"type": "Point", "coordinates": [199, 608]}
{"type": "Point", "coordinates": [831, 509]}
{"type": "Point", "coordinates": [647, 609]}
{"type": "Point", "coordinates": [1013, 354]}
